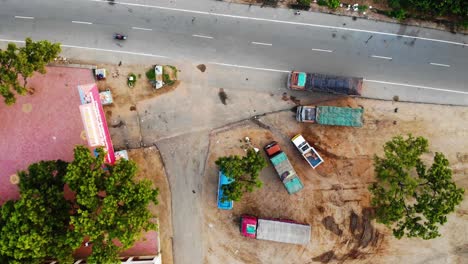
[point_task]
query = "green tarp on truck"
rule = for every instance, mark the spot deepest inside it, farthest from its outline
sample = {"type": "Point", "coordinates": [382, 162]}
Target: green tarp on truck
{"type": "Point", "coordinates": [330, 115]}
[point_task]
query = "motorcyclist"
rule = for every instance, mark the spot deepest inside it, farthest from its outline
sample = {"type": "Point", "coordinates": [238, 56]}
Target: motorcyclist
{"type": "Point", "coordinates": [120, 37]}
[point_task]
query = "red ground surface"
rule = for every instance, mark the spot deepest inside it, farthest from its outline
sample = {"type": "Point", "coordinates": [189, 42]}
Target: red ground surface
{"type": "Point", "coordinates": [47, 126]}
{"type": "Point", "coordinates": [44, 126]}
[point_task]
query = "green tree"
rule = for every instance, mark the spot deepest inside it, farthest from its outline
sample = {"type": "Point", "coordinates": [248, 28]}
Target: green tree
{"type": "Point", "coordinates": [244, 171]}
{"type": "Point", "coordinates": [333, 4]}
{"type": "Point", "coordinates": [16, 62]}
{"type": "Point", "coordinates": [110, 205]}
{"type": "Point", "coordinates": [409, 197]}
{"type": "Point", "coordinates": [34, 227]}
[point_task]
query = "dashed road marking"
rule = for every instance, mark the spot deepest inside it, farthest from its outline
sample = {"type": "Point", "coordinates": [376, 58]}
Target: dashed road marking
{"type": "Point", "coordinates": [381, 57]}
{"type": "Point", "coordinates": [239, 66]}
{"type": "Point", "coordinates": [140, 28]}
{"type": "Point", "coordinates": [82, 22]}
{"type": "Point", "coordinates": [323, 50]}
{"type": "Point", "coordinates": [202, 36]}
{"type": "Point", "coordinates": [24, 17]}
{"type": "Point", "coordinates": [439, 64]}
{"type": "Point", "coordinates": [282, 22]}
{"type": "Point", "coordinates": [261, 43]}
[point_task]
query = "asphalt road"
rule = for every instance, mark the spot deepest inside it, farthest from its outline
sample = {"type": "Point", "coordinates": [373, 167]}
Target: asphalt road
{"type": "Point", "coordinates": [309, 44]}
{"type": "Point", "coordinates": [221, 35]}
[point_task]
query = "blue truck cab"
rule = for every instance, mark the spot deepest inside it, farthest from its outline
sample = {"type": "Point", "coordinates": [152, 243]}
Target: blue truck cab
{"type": "Point", "coordinates": [223, 180]}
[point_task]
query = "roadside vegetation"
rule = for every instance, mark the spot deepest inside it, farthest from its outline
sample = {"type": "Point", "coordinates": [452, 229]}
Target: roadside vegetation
{"type": "Point", "coordinates": [410, 197]}
{"type": "Point", "coordinates": [244, 171]}
{"type": "Point", "coordinates": [450, 12]}
{"type": "Point", "coordinates": [21, 63]}
{"type": "Point", "coordinates": [108, 205]}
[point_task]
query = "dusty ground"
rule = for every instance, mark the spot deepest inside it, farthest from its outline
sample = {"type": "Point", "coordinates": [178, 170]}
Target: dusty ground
{"type": "Point", "coordinates": [373, 14]}
{"type": "Point", "coordinates": [123, 112]}
{"type": "Point", "coordinates": [335, 199]}
{"type": "Point", "coordinates": [151, 166]}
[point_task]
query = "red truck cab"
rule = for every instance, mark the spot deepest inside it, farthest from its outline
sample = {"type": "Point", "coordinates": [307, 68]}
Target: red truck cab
{"type": "Point", "coordinates": [249, 226]}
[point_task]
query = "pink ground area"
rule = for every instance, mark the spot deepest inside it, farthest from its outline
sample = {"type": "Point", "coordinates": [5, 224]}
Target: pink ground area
{"type": "Point", "coordinates": [44, 126]}
{"type": "Point", "coordinates": [47, 126]}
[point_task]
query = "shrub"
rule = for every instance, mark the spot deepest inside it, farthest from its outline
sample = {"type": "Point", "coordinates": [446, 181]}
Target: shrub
{"type": "Point", "coordinates": [150, 74]}
{"type": "Point", "coordinates": [322, 2]}
{"type": "Point", "coordinates": [167, 79]}
{"type": "Point", "coordinates": [304, 3]}
{"type": "Point", "coordinates": [399, 14]}
{"type": "Point", "coordinates": [362, 8]}
{"type": "Point", "coordinates": [333, 4]}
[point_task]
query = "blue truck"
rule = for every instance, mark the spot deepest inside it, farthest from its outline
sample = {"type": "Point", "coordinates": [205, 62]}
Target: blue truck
{"type": "Point", "coordinates": [223, 180]}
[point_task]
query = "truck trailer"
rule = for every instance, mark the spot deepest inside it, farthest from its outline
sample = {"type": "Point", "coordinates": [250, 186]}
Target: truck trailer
{"type": "Point", "coordinates": [279, 230]}
{"type": "Point", "coordinates": [307, 151]}
{"type": "Point", "coordinates": [283, 168]}
{"type": "Point", "coordinates": [330, 115]}
{"type": "Point", "coordinates": [325, 83]}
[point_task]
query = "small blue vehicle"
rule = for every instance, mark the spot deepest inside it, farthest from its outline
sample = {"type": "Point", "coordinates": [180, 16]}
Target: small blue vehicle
{"type": "Point", "coordinates": [223, 180]}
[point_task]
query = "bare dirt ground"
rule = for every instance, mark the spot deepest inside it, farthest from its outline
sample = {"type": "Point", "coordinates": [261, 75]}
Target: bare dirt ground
{"type": "Point", "coordinates": [335, 200]}
{"type": "Point", "coordinates": [123, 112]}
{"type": "Point", "coordinates": [378, 6]}
{"type": "Point", "coordinates": [151, 166]}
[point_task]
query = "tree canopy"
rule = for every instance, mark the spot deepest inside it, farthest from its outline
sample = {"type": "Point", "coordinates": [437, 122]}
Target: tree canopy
{"type": "Point", "coordinates": [34, 227]}
{"type": "Point", "coordinates": [433, 7]}
{"type": "Point", "coordinates": [109, 206]}
{"type": "Point", "coordinates": [244, 171]}
{"type": "Point", "coordinates": [411, 198]}
{"type": "Point", "coordinates": [22, 62]}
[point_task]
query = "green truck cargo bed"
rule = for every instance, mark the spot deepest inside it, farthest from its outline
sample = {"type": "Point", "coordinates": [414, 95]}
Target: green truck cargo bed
{"type": "Point", "coordinates": [339, 116]}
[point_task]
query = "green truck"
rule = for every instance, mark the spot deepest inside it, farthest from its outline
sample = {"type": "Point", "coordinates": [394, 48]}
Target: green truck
{"type": "Point", "coordinates": [283, 168]}
{"type": "Point", "coordinates": [330, 115]}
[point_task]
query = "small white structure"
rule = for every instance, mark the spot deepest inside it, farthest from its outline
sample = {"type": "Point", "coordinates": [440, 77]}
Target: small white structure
{"type": "Point", "coordinates": [100, 74]}
{"type": "Point", "coordinates": [158, 71]}
{"type": "Point", "coordinates": [106, 97]}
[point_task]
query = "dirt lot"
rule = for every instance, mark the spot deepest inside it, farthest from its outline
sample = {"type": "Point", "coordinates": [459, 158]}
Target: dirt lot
{"type": "Point", "coordinates": [150, 166]}
{"type": "Point", "coordinates": [123, 112]}
{"type": "Point", "coordinates": [335, 200]}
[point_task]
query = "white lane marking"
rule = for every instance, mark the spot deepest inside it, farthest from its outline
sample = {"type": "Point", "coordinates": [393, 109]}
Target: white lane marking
{"type": "Point", "coordinates": [116, 51]}
{"type": "Point", "coordinates": [24, 17]}
{"type": "Point", "coordinates": [324, 50]}
{"type": "Point", "coordinates": [140, 28]}
{"type": "Point", "coordinates": [439, 64]}
{"type": "Point", "coordinates": [417, 86]}
{"type": "Point", "coordinates": [381, 57]}
{"type": "Point", "coordinates": [82, 22]}
{"type": "Point", "coordinates": [261, 43]}
{"type": "Point", "coordinates": [283, 22]}
{"type": "Point", "coordinates": [247, 67]}
{"type": "Point", "coordinates": [237, 66]}
{"type": "Point", "coordinates": [201, 36]}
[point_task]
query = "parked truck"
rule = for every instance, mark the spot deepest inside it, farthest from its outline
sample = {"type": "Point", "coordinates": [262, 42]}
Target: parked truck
{"type": "Point", "coordinates": [330, 115]}
{"type": "Point", "coordinates": [222, 203]}
{"type": "Point", "coordinates": [325, 83]}
{"type": "Point", "coordinates": [283, 168]}
{"type": "Point", "coordinates": [307, 151]}
{"type": "Point", "coordinates": [279, 230]}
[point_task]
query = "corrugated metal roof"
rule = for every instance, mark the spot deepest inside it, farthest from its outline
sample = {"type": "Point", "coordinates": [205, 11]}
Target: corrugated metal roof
{"type": "Point", "coordinates": [283, 232]}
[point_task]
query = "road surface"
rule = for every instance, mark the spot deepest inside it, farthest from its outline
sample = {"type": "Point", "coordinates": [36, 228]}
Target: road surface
{"type": "Point", "coordinates": [236, 35]}
{"type": "Point", "coordinates": [247, 51]}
